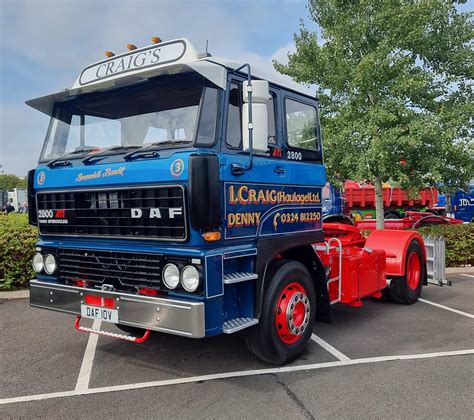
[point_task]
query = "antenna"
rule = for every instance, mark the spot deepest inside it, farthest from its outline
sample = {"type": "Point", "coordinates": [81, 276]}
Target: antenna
{"type": "Point", "coordinates": [205, 54]}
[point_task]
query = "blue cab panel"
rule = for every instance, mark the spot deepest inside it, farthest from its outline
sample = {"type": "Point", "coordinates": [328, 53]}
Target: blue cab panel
{"type": "Point", "coordinates": [279, 197]}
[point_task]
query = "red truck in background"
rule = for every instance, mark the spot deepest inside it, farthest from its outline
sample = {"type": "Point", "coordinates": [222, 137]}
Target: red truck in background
{"type": "Point", "coordinates": [360, 200]}
{"type": "Point", "coordinates": [356, 205]}
{"type": "Point", "coordinates": [401, 210]}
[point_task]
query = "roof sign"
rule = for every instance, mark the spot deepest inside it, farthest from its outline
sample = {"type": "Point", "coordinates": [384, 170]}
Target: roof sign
{"type": "Point", "coordinates": [136, 60]}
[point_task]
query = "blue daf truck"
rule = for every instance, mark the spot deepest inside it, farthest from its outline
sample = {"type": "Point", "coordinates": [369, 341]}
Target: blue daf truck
{"type": "Point", "coordinates": [181, 193]}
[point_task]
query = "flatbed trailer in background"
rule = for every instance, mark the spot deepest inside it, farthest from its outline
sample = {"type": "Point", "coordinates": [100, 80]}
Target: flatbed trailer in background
{"type": "Point", "coordinates": [360, 200]}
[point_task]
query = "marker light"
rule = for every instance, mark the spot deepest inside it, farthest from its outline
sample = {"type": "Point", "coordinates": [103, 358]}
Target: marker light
{"type": "Point", "coordinates": [38, 262]}
{"type": "Point", "coordinates": [211, 236]}
{"type": "Point", "coordinates": [109, 54]}
{"type": "Point", "coordinates": [155, 39]}
{"type": "Point", "coordinates": [190, 278]}
{"type": "Point", "coordinates": [50, 265]}
{"type": "Point", "coordinates": [171, 276]}
{"type": "Point", "coordinates": [131, 47]}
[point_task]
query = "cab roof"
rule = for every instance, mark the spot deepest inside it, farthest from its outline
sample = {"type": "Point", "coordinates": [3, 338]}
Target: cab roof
{"type": "Point", "coordinates": [164, 58]}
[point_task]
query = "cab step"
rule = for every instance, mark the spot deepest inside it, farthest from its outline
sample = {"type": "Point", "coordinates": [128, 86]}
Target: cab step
{"type": "Point", "coordinates": [130, 338]}
{"type": "Point", "coordinates": [232, 278]}
{"type": "Point", "coordinates": [233, 325]}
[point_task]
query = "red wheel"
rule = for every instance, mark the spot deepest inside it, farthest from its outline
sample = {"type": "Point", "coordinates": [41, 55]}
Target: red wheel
{"type": "Point", "coordinates": [413, 271]}
{"type": "Point", "coordinates": [287, 316]}
{"type": "Point", "coordinates": [292, 313]}
{"type": "Point", "coordinates": [407, 289]}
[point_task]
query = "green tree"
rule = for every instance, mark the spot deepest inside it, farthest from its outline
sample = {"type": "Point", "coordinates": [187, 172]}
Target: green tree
{"type": "Point", "coordinates": [394, 78]}
{"type": "Point", "coordinates": [8, 182]}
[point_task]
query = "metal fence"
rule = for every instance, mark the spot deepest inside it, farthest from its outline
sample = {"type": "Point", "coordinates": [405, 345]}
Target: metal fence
{"type": "Point", "coordinates": [436, 260]}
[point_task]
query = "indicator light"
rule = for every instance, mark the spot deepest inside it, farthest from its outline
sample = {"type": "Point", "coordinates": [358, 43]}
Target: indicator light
{"type": "Point", "coordinates": [211, 236]}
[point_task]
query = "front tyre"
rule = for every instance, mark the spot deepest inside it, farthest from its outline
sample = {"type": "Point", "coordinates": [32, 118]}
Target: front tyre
{"type": "Point", "coordinates": [287, 316]}
{"type": "Point", "coordinates": [407, 289]}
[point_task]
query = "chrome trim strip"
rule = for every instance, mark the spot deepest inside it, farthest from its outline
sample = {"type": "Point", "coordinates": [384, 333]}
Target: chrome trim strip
{"type": "Point", "coordinates": [240, 254]}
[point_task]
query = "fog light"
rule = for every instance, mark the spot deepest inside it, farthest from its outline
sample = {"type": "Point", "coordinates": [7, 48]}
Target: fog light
{"type": "Point", "coordinates": [38, 262]}
{"type": "Point", "coordinates": [171, 276]}
{"type": "Point", "coordinates": [50, 265]}
{"type": "Point", "coordinates": [190, 278]}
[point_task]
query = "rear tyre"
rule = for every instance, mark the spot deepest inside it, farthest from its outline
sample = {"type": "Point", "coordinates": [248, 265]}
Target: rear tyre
{"type": "Point", "coordinates": [287, 316]}
{"type": "Point", "coordinates": [407, 289]}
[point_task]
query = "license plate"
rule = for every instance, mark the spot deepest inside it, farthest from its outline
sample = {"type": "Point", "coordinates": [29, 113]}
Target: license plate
{"type": "Point", "coordinates": [96, 312]}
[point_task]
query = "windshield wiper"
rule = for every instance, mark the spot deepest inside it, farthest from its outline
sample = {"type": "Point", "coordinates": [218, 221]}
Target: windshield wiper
{"type": "Point", "coordinates": [62, 160]}
{"type": "Point", "coordinates": [147, 151]}
{"type": "Point", "coordinates": [89, 160]}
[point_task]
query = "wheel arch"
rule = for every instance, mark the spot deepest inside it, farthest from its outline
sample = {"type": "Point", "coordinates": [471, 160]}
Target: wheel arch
{"type": "Point", "coordinates": [395, 243]}
{"type": "Point", "coordinates": [306, 255]}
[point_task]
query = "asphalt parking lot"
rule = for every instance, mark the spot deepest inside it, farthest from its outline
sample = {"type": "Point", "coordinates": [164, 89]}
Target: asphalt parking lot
{"type": "Point", "coordinates": [381, 360]}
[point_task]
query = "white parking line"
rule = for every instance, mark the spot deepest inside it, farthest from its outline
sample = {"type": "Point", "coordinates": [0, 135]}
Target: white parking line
{"type": "Point", "coordinates": [326, 346]}
{"type": "Point", "coordinates": [86, 367]}
{"type": "Point", "coordinates": [447, 308]}
{"type": "Point", "coordinates": [468, 275]}
{"type": "Point", "coordinates": [238, 374]}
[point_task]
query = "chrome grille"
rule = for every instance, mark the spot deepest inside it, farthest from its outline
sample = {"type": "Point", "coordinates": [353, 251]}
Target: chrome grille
{"type": "Point", "coordinates": [109, 213]}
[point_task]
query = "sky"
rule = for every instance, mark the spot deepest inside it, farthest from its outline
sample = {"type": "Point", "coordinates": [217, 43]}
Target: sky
{"type": "Point", "coordinates": [44, 44]}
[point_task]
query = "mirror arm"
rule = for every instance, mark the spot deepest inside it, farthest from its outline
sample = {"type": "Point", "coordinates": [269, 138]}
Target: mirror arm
{"type": "Point", "coordinates": [236, 168]}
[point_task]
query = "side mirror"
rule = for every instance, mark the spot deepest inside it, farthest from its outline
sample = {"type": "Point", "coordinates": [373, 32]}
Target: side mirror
{"type": "Point", "coordinates": [258, 108]}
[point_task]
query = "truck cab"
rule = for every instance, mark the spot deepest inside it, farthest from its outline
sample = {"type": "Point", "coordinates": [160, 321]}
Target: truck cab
{"type": "Point", "coordinates": [170, 187]}
{"type": "Point", "coordinates": [182, 193]}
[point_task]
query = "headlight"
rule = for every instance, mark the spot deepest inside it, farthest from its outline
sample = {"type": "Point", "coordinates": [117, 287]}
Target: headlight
{"type": "Point", "coordinates": [38, 262]}
{"type": "Point", "coordinates": [50, 265]}
{"type": "Point", "coordinates": [171, 276]}
{"type": "Point", "coordinates": [190, 278]}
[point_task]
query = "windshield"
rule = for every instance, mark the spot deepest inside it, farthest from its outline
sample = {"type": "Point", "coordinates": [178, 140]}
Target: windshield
{"type": "Point", "coordinates": [162, 114]}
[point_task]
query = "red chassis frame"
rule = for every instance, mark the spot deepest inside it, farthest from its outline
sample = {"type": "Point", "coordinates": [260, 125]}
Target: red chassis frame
{"type": "Point", "coordinates": [359, 267]}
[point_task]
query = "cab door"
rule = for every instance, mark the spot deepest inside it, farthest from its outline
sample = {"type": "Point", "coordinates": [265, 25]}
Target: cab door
{"type": "Point", "coordinates": [259, 200]}
{"type": "Point", "coordinates": [243, 212]}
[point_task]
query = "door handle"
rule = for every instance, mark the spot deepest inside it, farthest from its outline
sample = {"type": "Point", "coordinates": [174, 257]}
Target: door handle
{"type": "Point", "coordinates": [279, 170]}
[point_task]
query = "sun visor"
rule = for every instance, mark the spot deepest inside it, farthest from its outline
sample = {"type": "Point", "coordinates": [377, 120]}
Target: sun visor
{"type": "Point", "coordinates": [215, 73]}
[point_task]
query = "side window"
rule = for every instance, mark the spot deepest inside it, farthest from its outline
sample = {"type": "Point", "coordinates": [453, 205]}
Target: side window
{"type": "Point", "coordinates": [234, 134]}
{"type": "Point", "coordinates": [301, 125]}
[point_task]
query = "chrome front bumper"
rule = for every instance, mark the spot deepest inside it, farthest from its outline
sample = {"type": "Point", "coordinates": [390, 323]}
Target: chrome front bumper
{"type": "Point", "coordinates": [170, 316]}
